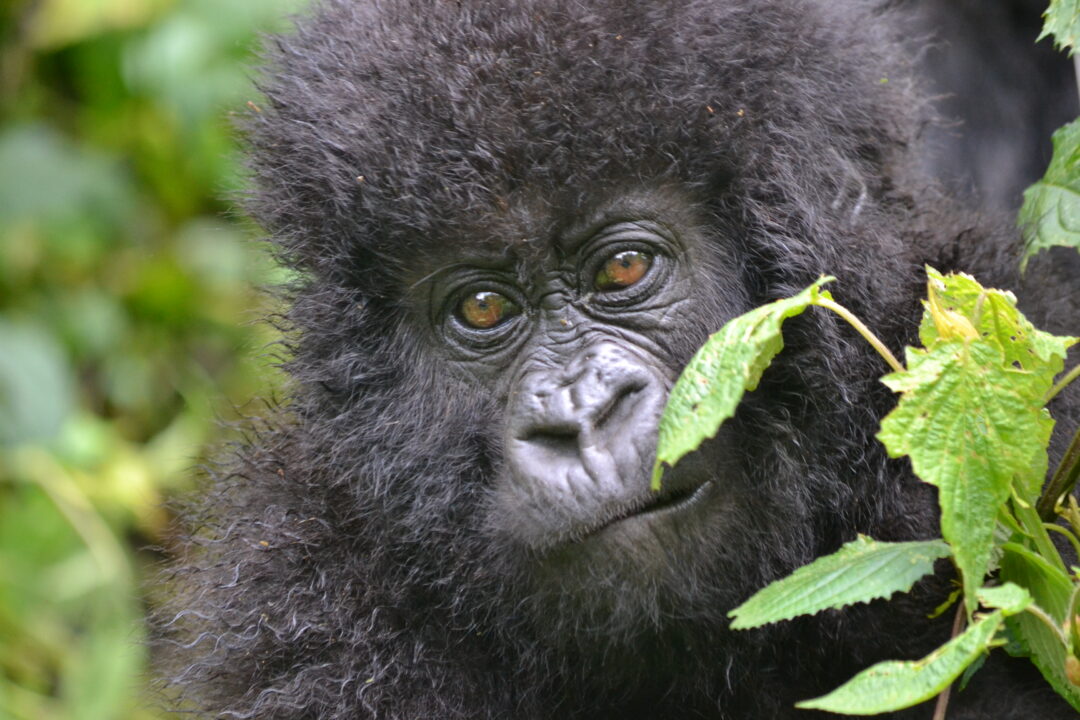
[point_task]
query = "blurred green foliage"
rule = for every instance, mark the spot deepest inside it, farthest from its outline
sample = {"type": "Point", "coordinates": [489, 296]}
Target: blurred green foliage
{"type": "Point", "coordinates": [127, 320]}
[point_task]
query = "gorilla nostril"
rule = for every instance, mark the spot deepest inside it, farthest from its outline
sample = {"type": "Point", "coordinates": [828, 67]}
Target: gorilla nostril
{"type": "Point", "coordinates": [551, 433]}
{"type": "Point", "coordinates": [560, 444]}
{"type": "Point", "coordinates": [621, 398]}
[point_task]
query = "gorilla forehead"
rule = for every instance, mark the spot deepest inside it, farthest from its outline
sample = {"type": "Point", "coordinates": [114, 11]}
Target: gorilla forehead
{"type": "Point", "coordinates": [391, 127]}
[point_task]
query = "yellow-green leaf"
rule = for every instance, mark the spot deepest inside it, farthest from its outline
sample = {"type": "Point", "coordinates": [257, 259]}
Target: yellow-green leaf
{"type": "Point", "coordinates": [969, 426]}
{"type": "Point", "coordinates": [992, 316]}
{"type": "Point", "coordinates": [728, 364]}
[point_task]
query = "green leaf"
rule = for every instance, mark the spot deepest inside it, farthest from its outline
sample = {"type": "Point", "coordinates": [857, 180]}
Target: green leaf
{"type": "Point", "coordinates": [1048, 585]}
{"type": "Point", "coordinates": [1063, 23]}
{"type": "Point", "coordinates": [729, 363]}
{"type": "Point", "coordinates": [969, 426]}
{"type": "Point", "coordinates": [971, 413]}
{"type": "Point", "coordinates": [894, 685]}
{"type": "Point", "coordinates": [1051, 589]}
{"type": "Point", "coordinates": [994, 318]}
{"type": "Point", "coordinates": [860, 571]}
{"type": "Point", "coordinates": [1009, 597]}
{"type": "Point", "coordinates": [1050, 214]}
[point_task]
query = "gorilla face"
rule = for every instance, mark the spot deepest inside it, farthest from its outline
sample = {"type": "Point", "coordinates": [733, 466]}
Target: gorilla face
{"type": "Point", "coordinates": [575, 323]}
{"type": "Point", "coordinates": [575, 336]}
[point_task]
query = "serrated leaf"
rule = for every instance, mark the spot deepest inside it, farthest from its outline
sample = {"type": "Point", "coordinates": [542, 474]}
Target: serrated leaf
{"type": "Point", "coordinates": [729, 363]}
{"type": "Point", "coordinates": [1051, 590]}
{"type": "Point", "coordinates": [1050, 215]}
{"type": "Point", "coordinates": [895, 685]}
{"type": "Point", "coordinates": [969, 426]}
{"type": "Point", "coordinates": [1063, 23]}
{"type": "Point", "coordinates": [860, 571]}
{"type": "Point", "coordinates": [1009, 597]}
{"type": "Point", "coordinates": [994, 318]}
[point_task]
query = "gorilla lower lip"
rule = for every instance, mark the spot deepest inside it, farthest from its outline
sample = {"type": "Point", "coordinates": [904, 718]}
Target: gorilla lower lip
{"type": "Point", "coordinates": [676, 500]}
{"type": "Point", "coordinates": [662, 504]}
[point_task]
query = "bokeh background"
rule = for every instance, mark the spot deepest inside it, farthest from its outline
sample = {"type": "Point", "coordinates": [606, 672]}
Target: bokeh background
{"type": "Point", "coordinates": [129, 331]}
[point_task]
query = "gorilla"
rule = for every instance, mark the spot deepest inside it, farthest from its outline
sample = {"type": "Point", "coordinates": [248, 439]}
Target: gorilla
{"type": "Point", "coordinates": [510, 224]}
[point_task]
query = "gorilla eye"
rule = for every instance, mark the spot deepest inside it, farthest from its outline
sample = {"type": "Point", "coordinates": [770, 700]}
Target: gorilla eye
{"type": "Point", "coordinates": [622, 270]}
{"type": "Point", "coordinates": [486, 309]}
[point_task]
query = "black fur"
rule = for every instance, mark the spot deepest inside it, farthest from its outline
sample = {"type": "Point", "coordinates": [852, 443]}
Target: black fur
{"type": "Point", "coordinates": [346, 566]}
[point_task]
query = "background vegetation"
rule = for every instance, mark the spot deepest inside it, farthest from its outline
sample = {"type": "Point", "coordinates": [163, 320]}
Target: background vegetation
{"type": "Point", "coordinates": [126, 319]}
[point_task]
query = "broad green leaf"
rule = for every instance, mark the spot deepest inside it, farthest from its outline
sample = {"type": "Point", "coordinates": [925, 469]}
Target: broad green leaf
{"type": "Point", "coordinates": [969, 426]}
{"type": "Point", "coordinates": [993, 317]}
{"type": "Point", "coordinates": [1048, 585]}
{"type": "Point", "coordinates": [1050, 214]}
{"type": "Point", "coordinates": [1063, 23]}
{"type": "Point", "coordinates": [728, 364]}
{"type": "Point", "coordinates": [860, 571]}
{"type": "Point", "coordinates": [1051, 589]}
{"type": "Point", "coordinates": [1009, 597]}
{"type": "Point", "coordinates": [895, 685]}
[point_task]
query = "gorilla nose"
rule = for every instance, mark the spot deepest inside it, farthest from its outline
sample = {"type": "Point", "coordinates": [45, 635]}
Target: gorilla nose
{"type": "Point", "coordinates": [595, 418]}
{"type": "Point", "coordinates": [576, 415]}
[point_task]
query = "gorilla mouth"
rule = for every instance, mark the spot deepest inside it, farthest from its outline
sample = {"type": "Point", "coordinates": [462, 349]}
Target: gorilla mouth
{"type": "Point", "coordinates": [666, 502]}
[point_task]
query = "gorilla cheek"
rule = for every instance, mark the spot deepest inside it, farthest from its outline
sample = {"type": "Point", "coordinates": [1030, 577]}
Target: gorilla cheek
{"type": "Point", "coordinates": [581, 439]}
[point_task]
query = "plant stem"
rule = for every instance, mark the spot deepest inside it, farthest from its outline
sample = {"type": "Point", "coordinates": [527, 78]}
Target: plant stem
{"type": "Point", "coordinates": [1069, 377]}
{"type": "Point", "coordinates": [1063, 481]}
{"type": "Point", "coordinates": [943, 697]}
{"type": "Point", "coordinates": [1070, 620]}
{"type": "Point", "coordinates": [863, 330]}
{"type": "Point", "coordinates": [1035, 528]}
{"type": "Point", "coordinates": [1049, 622]}
{"type": "Point", "coordinates": [1068, 536]}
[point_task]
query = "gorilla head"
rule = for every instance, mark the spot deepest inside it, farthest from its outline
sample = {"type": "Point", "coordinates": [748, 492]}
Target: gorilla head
{"type": "Point", "coordinates": [512, 224]}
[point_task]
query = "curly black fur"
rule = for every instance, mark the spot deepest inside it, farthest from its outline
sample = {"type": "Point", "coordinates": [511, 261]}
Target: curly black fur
{"type": "Point", "coordinates": [344, 565]}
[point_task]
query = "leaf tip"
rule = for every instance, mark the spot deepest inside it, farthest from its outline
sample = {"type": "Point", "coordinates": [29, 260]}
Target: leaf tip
{"type": "Point", "coordinates": [657, 473]}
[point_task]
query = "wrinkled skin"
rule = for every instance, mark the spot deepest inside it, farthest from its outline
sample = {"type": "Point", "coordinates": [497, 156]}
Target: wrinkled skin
{"type": "Point", "coordinates": [512, 224]}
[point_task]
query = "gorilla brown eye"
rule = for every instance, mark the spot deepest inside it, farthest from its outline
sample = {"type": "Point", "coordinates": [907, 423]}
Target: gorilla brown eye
{"type": "Point", "coordinates": [622, 270]}
{"type": "Point", "coordinates": [487, 309]}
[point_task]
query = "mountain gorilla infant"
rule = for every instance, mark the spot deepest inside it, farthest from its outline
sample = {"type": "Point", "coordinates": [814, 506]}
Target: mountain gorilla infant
{"type": "Point", "coordinates": [512, 222]}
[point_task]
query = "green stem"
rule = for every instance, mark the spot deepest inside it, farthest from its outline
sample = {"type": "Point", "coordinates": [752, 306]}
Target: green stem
{"type": "Point", "coordinates": [1068, 535]}
{"type": "Point", "coordinates": [862, 329]}
{"type": "Point", "coordinates": [1048, 622]}
{"type": "Point", "coordinates": [1035, 527]}
{"type": "Point", "coordinates": [1069, 377]}
{"type": "Point", "coordinates": [1063, 480]}
{"type": "Point", "coordinates": [1070, 619]}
